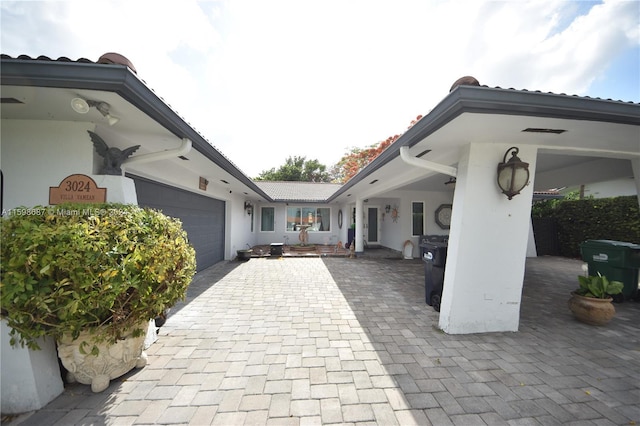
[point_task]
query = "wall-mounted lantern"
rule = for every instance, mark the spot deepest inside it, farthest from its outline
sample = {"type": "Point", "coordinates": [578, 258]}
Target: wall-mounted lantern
{"type": "Point", "coordinates": [513, 175]}
{"type": "Point", "coordinates": [248, 207]}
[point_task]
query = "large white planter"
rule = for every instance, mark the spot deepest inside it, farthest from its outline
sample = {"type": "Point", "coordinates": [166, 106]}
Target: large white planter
{"type": "Point", "coordinates": [112, 361]}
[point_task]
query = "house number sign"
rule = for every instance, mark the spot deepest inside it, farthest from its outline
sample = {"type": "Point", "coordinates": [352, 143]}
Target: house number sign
{"type": "Point", "coordinates": [77, 189]}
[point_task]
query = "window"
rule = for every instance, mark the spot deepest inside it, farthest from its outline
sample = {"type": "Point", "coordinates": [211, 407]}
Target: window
{"type": "Point", "coordinates": [316, 219]}
{"type": "Point", "coordinates": [417, 216]}
{"type": "Point", "coordinates": [267, 219]}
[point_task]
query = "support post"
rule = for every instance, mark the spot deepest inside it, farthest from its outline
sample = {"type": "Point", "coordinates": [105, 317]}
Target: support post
{"type": "Point", "coordinates": [359, 225]}
{"type": "Point", "coordinates": [487, 246]}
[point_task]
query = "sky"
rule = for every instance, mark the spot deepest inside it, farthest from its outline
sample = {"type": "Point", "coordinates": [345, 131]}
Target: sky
{"type": "Point", "coordinates": [266, 80]}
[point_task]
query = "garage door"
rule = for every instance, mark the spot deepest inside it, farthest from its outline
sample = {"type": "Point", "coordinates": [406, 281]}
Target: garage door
{"type": "Point", "coordinates": [202, 217]}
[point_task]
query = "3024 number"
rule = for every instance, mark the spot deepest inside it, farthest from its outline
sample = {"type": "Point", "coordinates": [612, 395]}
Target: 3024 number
{"type": "Point", "coordinates": [77, 186]}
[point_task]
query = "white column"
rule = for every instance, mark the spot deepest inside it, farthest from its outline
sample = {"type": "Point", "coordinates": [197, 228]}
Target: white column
{"type": "Point", "coordinates": [359, 225]}
{"type": "Point", "coordinates": [487, 245]}
{"type": "Point", "coordinates": [120, 189]}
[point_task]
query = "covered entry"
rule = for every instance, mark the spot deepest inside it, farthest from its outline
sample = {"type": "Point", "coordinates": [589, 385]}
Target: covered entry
{"type": "Point", "coordinates": [202, 217]}
{"type": "Point", "coordinates": [564, 140]}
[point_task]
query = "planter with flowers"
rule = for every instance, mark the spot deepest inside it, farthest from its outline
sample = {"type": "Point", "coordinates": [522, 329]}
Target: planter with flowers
{"type": "Point", "coordinates": [91, 277]}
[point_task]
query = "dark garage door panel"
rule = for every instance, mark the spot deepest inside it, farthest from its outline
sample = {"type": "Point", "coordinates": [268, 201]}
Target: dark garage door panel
{"type": "Point", "coordinates": [202, 217]}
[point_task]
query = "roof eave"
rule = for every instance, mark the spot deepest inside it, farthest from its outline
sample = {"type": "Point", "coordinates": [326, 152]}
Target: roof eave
{"type": "Point", "coordinates": [486, 100]}
{"type": "Point", "coordinates": [121, 80]}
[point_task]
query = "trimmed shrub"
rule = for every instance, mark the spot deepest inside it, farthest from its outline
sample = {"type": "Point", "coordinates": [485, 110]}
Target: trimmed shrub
{"type": "Point", "coordinates": [615, 218]}
{"type": "Point", "coordinates": [73, 267]}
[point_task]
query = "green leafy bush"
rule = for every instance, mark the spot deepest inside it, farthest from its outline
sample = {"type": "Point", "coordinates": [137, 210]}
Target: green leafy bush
{"type": "Point", "coordinates": [74, 267]}
{"type": "Point", "coordinates": [598, 287]}
{"type": "Point", "coordinates": [615, 219]}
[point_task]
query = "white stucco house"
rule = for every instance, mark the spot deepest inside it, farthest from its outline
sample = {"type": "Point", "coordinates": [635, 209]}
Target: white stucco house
{"type": "Point", "coordinates": [566, 141]}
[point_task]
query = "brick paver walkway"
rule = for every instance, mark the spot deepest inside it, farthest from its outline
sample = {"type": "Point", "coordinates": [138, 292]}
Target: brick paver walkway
{"type": "Point", "coordinates": [351, 341]}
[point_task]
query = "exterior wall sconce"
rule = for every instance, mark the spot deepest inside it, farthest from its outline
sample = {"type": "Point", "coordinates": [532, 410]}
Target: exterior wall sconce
{"type": "Point", "coordinates": [387, 208]}
{"type": "Point", "coordinates": [513, 175]}
{"type": "Point", "coordinates": [248, 207]}
{"type": "Point", "coordinates": [451, 183]}
{"type": "Point", "coordinates": [82, 106]}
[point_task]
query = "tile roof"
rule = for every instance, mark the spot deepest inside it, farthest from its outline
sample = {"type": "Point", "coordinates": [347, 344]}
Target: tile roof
{"type": "Point", "coordinates": [511, 89]}
{"type": "Point", "coordinates": [298, 191]}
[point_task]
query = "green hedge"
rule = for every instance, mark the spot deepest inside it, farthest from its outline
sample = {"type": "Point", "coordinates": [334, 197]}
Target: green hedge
{"type": "Point", "coordinates": [73, 267]}
{"type": "Point", "coordinates": [592, 219]}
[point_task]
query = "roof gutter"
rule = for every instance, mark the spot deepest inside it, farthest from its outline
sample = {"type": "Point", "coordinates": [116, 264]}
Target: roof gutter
{"type": "Point", "coordinates": [184, 148]}
{"type": "Point", "coordinates": [425, 164]}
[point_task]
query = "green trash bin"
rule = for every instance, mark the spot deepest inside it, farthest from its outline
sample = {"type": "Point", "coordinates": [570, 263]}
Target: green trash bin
{"type": "Point", "coordinates": [616, 260]}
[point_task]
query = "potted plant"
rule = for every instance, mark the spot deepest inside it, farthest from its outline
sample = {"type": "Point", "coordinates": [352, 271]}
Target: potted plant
{"type": "Point", "coordinates": [591, 302]}
{"type": "Point", "coordinates": [244, 254]}
{"type": "Point", "coordinates": [91, 276]}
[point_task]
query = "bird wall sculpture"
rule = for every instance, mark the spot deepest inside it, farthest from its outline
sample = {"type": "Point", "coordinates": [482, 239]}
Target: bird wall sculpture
{"type": "Point", "coordinates": [113, 157]}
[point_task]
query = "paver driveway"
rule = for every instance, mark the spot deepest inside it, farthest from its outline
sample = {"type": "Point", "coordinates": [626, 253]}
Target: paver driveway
{"type": "Point", "coordinates": [333, 340]}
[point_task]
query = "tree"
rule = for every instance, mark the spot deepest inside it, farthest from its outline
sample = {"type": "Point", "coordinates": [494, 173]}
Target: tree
{"type": "Point", "coordinates": [297, 169]}
{"type": "Point", "coordinates": [357, 158]}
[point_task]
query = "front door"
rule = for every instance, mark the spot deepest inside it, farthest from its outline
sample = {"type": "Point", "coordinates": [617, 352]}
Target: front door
{"type": "Point", "coordinates": [372, 225]}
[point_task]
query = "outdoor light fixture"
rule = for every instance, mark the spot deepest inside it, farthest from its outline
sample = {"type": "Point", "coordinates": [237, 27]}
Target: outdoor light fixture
{"type": "Point", "coordinates": [82, 106]}
{"type": "Point", "coordinates": [451, 183]}
{"type": "Point", "coordinates": [79, 105]}
{"type": "Point", "coordinates": [513, 175]}
{"type": "Point", "coordinates": [248, 207]}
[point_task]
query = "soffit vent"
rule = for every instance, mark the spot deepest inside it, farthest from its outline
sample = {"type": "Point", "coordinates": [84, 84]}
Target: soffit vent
{"type": "Point", "coordinates": [540, 130]}
{"type": "Point", "coordinates": [10, 101]}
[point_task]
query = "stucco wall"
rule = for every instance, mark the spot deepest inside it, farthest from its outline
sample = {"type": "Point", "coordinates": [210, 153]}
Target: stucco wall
{"type": "Point", "coordinates": [239, 233]}
{"type": "Point", "coordinates": [40, 154]}
{"type": "Point", "coordinates": [395, 233]}
{"type": "Point", "coordinates": [237, 222]}
{"type": "Point", "coordinates": [281, 235]}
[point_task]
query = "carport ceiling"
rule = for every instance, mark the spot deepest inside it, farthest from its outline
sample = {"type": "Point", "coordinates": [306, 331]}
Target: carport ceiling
{"type": "Point", "coordinates": [581, 146]}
